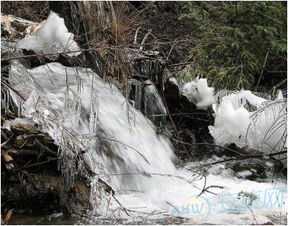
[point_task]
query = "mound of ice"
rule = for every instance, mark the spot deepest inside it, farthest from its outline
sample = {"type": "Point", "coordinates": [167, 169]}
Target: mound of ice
{"type": "Point", "coordinates": [232, 116]}
{"type": "Point", "coordinates": [268, 128]}
{"type": "Point", "coordinates": [248, 120]}
{"type": "Point", "coordinates": [52, 37]}
{"type": "Point", "coordinates": [198, 93]}
{"type": "Point", "coordinates": [240, 98]}
{"type": "Point", "coordinates": [230, 124]}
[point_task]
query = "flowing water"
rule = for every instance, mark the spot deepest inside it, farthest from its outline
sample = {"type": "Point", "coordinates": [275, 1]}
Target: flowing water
{"type": "Point", "coordinates": [81, 112]}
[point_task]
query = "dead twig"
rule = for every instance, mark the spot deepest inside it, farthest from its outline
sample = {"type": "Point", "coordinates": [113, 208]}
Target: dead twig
{"type": "Point", "coordinates": [260, 77]}
{"type": "Point", "coordinates": [11, 88]}
{"type": "Point", "coordinates": [212, 186]}
{"type": "Point", "coordinates": [246, 157]}
{"type": "Point", "coordinates": [145, 37]}
{"type": "Point", "coordinates": [7, 141]}
{"type": "Point", "coordinates": [44, 148]}
{"type": "Point", "coordinates": [124, 209]}
{"type": "Point", "coordinates": [173, 207]}
{"type": "Point", "coordinates": [8, 216]}
{"type": "Point", "coordinates": [136, 35]}
{"type": "Point", "coordinates": [126, 145]}
{"type": "Point", "coordinates": [180, 64]}
{"type": "Point", "coordinates": [208, 144]}
{"type": "Point", "coordinates": [26, 166]}
{"type": "Point", "coordinates": [203, 189]}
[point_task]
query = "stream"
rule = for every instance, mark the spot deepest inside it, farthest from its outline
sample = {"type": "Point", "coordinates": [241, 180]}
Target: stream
{"type": "Point", "coordinates": [79, 110]}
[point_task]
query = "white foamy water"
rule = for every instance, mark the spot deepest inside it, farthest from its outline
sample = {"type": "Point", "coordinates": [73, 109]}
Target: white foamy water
{"type": "Point", "coordinates": [76, 107]}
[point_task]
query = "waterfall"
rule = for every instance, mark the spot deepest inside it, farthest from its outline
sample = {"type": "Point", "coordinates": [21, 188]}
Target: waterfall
{"type": "Point", "coordinates": [117, 139]}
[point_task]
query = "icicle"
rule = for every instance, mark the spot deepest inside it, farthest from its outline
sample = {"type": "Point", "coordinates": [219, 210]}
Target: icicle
{"type": "Point", "coordinates": [135, 93]}
{"type": "Point", "coordinates": [279, 94]}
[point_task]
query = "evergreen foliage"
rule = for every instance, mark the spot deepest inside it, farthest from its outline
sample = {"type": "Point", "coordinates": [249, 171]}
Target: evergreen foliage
{"type": "Point", "coordinates": [234, 40]}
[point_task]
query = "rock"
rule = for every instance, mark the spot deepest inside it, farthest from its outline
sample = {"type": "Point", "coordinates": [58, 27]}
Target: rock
{"type": "Point", "coordinates": [32, 165]}
{"type": "Point", "coordinates": [253, 169]}
{"type": "Point", "coordinates": [40, 193]}
{"type": "Point", "coordinates": [19, 128]}
{"type": "Point", "coordinates": [7, 158]}
{"type": "Point", "coordinates": [19, 141]}
{"type": "Point", "coordinates": [191, 123]}
{"type": "Point", "coordinates": [172, 94]}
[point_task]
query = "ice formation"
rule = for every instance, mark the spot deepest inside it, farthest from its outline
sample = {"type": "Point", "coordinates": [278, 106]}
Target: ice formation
{"type": "Point", "coordinates": [232, 116]}
{"type": "Point", "coordinates": [240, 98]}
{"type": "Point", "coordinates": [135, 161]}
{"type": "Point", "coordinates": [199, 93]}
{"type": "Point", "coordinates": [279, 95]}
{"type": "Point", "coordinates": [52, 37]}
{"type": "Point", "coordinates": [248, 120]}
{"type": "Point", "coordinates": [230, 124]}
{"type": "Point", "coordinates": [78, 100]}
{"type": "Point", "coordinates": [268, 128]}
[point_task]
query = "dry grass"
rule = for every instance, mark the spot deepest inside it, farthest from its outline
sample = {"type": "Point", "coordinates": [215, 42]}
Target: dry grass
{"type": "Point", "coordinates": [112, 25]}
{"type": "Point", "coordinates": [29, 10]}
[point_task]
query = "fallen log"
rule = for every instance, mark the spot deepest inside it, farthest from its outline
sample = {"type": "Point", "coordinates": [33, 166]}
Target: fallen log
{"type": "Point", "coordinates": [32, 181]}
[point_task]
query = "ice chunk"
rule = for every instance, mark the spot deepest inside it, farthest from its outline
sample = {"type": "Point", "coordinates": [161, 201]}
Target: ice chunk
{"type": "Point", "coordinates": [52, 37]}
{"type": "Point", "coordinates": [244, 173]}
{"type": "Point", "coordinates": [199, 93]}
{"type": "Point", "coordinates": [240, 98]}
{"type": "Point", "coordinates": [261, 127]}
{"type": "Point", "coordinates": [268, 128]}
{"type": "Point", "coordinates": [232, 116]}
{"type": "Point", "coordinates": [230, 124]}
